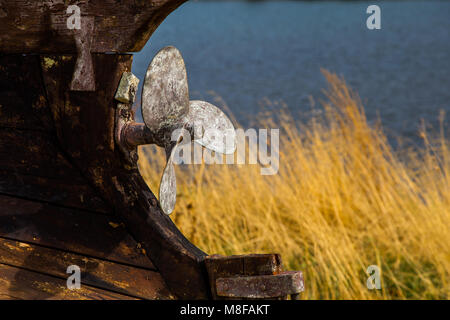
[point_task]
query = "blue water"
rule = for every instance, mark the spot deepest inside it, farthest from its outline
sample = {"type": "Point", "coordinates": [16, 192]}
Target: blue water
{"type": "Point", "coordinates": [248, 51]}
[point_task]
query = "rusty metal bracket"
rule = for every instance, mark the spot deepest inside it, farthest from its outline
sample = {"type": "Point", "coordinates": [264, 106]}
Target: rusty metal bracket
{"type": "Point", "coordinates": [252, 277]}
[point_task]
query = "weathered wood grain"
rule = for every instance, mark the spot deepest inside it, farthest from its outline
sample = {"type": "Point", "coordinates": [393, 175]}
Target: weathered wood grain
{"type": "Point", "coordinates": [16, 283]}
{"type": "Point", "coordinates": [278, 286]}
{"type": "Point", "coordinates": [84, 121]}
{"type": "Point", "coordinates": [35, 153]}
{"type": "Point", "coordinates": [32, 167]}
{"type": "Point", "coordinates": [124, 279]}
{"type": "Point", "coordinates": [66, 193]}
{"type": "Point", "coordinates": [76, 231]}
{"type": "Point", "coordinates": [23, 102]}
{"type": "Point", "coordinates": [41, 26]}
{"type": "Point", "coordinates": [241, 265]}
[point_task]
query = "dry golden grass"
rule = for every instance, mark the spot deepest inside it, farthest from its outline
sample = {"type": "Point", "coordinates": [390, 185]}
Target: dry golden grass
{"type": "Point", "coordinates": [343, 200]}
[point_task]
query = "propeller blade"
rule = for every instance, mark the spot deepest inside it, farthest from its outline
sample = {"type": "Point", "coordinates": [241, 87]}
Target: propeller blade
{"type": "Point", "coordinates": [168, 189]}
{"type": "Point", "coordinates": [168, 185]}
{"type": "Point", "coordinates": [212, 128]}
{"type": "Point", "coordinates": [165, 93]}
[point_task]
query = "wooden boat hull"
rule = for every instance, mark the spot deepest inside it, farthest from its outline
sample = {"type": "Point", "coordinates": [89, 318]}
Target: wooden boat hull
{"type": "Point", "coordinates": [68, 192]}
{"type": "Point", "coordinates": [41, 26]}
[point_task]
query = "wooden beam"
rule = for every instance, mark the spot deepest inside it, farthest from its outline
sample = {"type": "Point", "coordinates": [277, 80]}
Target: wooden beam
{"type": "Point", "coordinates": [65, 193]}
{"type": "Point", "coordinates": [16, 283]}
{"type": "Point", "coordinates": [71, 230]}
{"type": "Point", "coordinates": [41, 26]}
{"type": "Point", "coordinates": [32, 167]}
{"type": "Point", "coordinates": [22, 94]}
{"type": "Point", "coordinates": [106, 275]}
{"type": "Point", "coordinates": [241, 265]}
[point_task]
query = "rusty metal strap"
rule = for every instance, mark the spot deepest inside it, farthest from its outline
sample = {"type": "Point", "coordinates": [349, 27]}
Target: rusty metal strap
{"type": "Point", "coordinates": [261, 287]}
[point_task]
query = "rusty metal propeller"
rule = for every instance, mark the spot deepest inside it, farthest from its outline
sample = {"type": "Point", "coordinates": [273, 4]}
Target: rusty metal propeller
{"type": "Point", "coordinates": [167, 110]}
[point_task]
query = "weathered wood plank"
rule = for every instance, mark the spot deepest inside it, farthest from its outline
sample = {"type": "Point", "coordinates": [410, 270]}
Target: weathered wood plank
{"type": "Point", "coordinates": [28, 145]}
{"type": "Point", "coordinates": [41, 26]}
{"type": "Point", "coordinates": [23, 102]}
{"type": "Point", "coordinates": [77, 231]}
{"type": "Point", "coordinates": [18, 283]}
{"type": "Point", "coordinates": [241, 265]}
{"type": "Point", "coordinates": [35, 153]}
{"type": "Point", "coordinates": [278, 286]}
{"type": "Point", "coordinates": [83, 127]}
{"type": "Point", "coordinates": [142, 283]}
{"type": "Point", "coordinates": [67, 193]}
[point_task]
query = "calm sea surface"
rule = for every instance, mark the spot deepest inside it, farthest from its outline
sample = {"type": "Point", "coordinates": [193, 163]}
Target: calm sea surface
{"type": "Point", "coordinates": [246, 52]}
